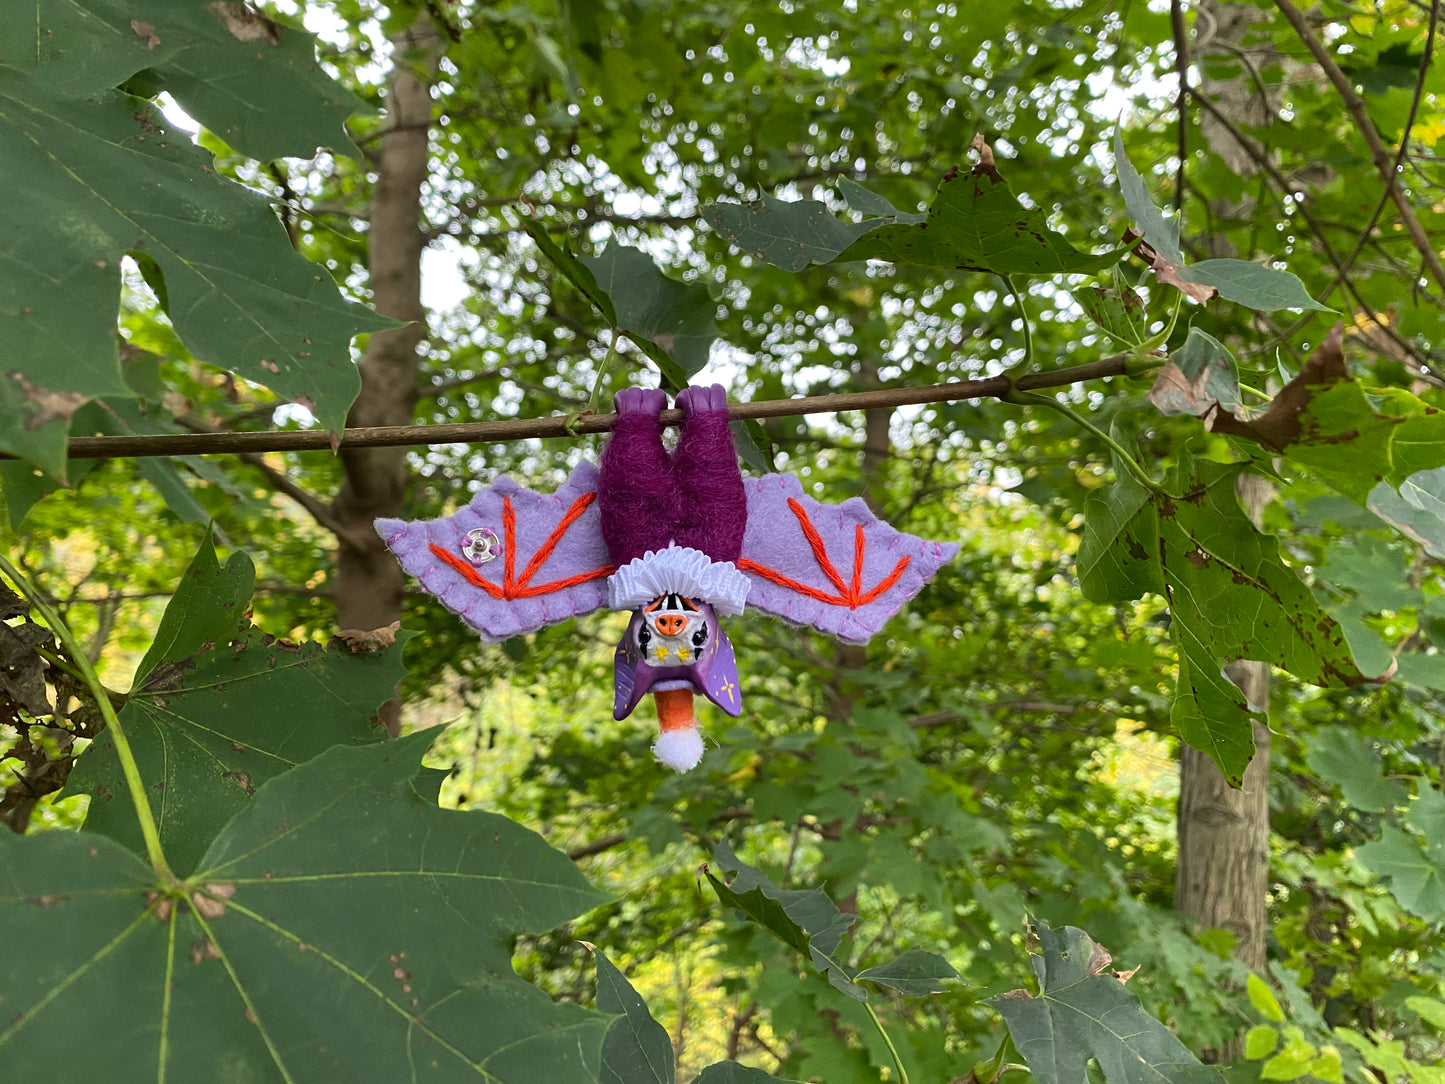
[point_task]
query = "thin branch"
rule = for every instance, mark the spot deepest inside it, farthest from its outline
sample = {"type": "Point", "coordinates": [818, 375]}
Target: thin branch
{"type": "Point", "coordinates": [1181, 100]}
{"type": "Point", "coordinates": [318, 509]}
{"type": "Point", "coordinates": [1401, 154]}
{"type": "Point", "coordinates": [561, 425]}
{"type": "Point", "coordinates": [597, 846]}
{"type": "Point", "coordinates": [1360, 114]}
{"type": "Point", "coordinates": [1288, 187]}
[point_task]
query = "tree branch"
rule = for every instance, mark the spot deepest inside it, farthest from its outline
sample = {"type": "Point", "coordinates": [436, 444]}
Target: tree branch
{"type": "Point", "coordinates": [1360, 114]}
{"type": "Point", "coordinates": [559, 425]}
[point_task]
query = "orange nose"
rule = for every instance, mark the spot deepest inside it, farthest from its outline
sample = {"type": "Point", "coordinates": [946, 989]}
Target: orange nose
{"type": "Point", "coordinates": [670, 624]}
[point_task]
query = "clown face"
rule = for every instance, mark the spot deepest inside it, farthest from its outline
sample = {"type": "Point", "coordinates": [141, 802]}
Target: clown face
{"type": "Point", "coordinates": [674, 642]}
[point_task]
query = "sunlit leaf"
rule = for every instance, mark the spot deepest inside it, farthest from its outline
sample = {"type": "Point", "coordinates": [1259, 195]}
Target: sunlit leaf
{"type": "Point", "coordinates": [252, 81]}
{"type": "Point", "coordinates": [1082, 1012]}
{"type": "Point", "coordinates": [219, 708]}
{"type": "Point", "coordinates": [122, 179]}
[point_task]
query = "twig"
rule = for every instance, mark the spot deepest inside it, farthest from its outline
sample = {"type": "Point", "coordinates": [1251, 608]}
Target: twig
{"type": "Point", "coordinates": [1400, 155]}
{"type": "Point", "coordinates": [1360, 114]}
{"type": "Point", "coordinates": [392, 436]}
{"type": "Point", "coordinates": [1181, 100]}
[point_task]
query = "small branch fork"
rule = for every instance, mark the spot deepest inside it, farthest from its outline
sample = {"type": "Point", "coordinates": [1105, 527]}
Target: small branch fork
{"type": "Point", "coordinates": [228, 443]}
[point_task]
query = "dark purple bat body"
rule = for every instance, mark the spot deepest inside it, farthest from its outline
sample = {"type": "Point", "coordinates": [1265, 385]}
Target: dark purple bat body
{"type": "Point", "coordinates": [693, 497]}
{"type": "Point", "coordinates": [688, 541]}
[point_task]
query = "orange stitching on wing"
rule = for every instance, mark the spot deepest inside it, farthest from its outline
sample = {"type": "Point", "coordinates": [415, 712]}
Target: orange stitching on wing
{"type": "Point", "coordinates": [850, 595]}
{"type": "Point", "coordinates": [510, 588]}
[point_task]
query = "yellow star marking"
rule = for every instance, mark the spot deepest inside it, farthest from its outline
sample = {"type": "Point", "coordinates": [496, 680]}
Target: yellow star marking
{"type": "Point", "coordinates": [684, 653]}
{"type": "Point", "coordinates": [663, 651]}
{"type": "Point", "coordinates": [729, 688]}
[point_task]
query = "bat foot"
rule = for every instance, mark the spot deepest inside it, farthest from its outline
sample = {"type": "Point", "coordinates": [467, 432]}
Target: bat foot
{"type": "Point", "coordinates": [702, 400]}
{"type": "Point", "coordinates": [649, 401]}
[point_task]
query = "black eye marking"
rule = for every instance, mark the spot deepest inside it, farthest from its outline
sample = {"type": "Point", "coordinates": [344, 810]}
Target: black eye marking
{"type": "Point", "coordinates": [643, 637]}
{"type": "Point", "coordinates": [700, 636]}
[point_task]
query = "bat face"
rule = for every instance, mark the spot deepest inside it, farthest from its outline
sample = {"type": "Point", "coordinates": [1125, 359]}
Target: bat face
{"type": "Point", "coordinates": [674, 642]}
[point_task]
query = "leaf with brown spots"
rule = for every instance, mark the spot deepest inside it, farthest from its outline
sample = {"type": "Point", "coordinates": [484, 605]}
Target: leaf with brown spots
{"type": "Point", "coordinates": [1230, 597]}
{"type": "Point", "coordinates": [217, 711]}
{"type": "Point", "coordinates": [1081, 1014]}
{"type": "Point", "coordinates": [236, 289]}
{"type": "Point", "coordinates": [1280, 424]}
{"type": "Point", "coordinates": [374, 937]}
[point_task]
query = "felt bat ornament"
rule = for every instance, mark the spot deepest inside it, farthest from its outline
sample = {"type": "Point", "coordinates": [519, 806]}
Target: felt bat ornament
{"type": "Point", "coordinates": [680, 540]}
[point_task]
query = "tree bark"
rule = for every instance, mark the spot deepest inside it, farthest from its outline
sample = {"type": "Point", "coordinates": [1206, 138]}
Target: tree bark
{"type": "Point", "coordinates": [368, 580]}
{"type": "Point", "coordinates": [1222, 880]}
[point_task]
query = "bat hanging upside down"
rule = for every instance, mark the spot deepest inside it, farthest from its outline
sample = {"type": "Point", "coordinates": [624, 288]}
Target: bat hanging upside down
{"type": "Point", "coordinates": [680, 540]}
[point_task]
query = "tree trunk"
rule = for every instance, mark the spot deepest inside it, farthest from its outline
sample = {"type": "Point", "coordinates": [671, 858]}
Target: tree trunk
{"type": "Point", "coordinates": [368, 580]}
{"type": "Point", "coordinates": [1222, 879]}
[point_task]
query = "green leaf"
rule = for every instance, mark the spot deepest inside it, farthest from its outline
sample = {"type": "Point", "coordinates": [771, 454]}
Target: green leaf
{"type": "Point", "coordinates": [1354, 438]}
{"type": "Point", "coordinates": [1285, 1067]}
{"type": "Point", "coordinates": [867, 202]}
{"type": "Point", "coordinates": [218, 711]}
{"type": "Point", "coordinates": [1263, 999]}
{"type": "Point", "coordinates": [252, 81]}
{"type": "Point", "coordinates": [1118, 553]}
{"type": "Point", "coordinates": [1341, 757]}
{"type": "Point", "coordinates": [1264, 289]}
{"type": "Point", "coordinates": [341, 929]}
{"type": "Point", "coordinates": [1417, 874]}
{"type": "Point", "coordinates": [806, 921]}
{"type": "Point", "coordinates": [914, 974]}
{"type": "Point", "coordinates": [1198, 377]}
{"type": "Point", "coordinates": [790, 235]}
{"type": "Point", "coordinates": [672, 322]}
{"type": "Point", "coordinates": [1246, 283]}
{"type": "Point", "coordinates": [976, 223]}
{"type": "Point", "coordinates": [1159, 230]}
{"type": "Point", "coordinates": [1429, 1009]}
{"type": "Point", "coordinates": [1230, 597]}
{"type": "Point", "coordinates": [637, 1049]}
{"type": "Point", "coordinates": [1260, 1041]}
{"type": "Point", "coordinates": [1417, 510]}
{"type": "Point", "coordinates": [1118, 311]}
{"type": "Point", "coordinates": [573, 270]}
{"type": "Point", "coordinates": [209, 604]}
{"type": "Point", "coordinates": [752, 444]}
{"type": "Point", "coordinates": [1081, 1012]}
{"type": "Point", "coordinates": [117, 178]}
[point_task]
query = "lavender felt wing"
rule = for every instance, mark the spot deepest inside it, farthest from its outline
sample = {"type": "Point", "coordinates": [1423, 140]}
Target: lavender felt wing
{"type": "Point", "coordinates": [836, 567]}
{"type": "Point", "coordinates": [512, 560]}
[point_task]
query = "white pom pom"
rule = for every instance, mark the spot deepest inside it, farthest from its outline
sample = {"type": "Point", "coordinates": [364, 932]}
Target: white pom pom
{"type": "Point", "coordinates": [680, 750]}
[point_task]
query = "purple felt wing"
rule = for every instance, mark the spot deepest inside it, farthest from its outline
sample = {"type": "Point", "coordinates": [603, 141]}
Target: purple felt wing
{"type": "Point", "coordinates": [512, 560]}
{"type": "Point", "coordinates": [836, 567]}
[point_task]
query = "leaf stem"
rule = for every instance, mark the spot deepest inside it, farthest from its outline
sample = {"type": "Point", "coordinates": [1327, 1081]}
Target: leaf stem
{"type": "Point", "coordinates": [1078, 419]}
{"type": "Point", "coordinates": [1024, 317]}
{"type": "Point", "coordinates": [602, 372]}
{"type": "Point", "coordinates": [888, 1041]}
{"type": "Point", "coordinates": [86, 673]}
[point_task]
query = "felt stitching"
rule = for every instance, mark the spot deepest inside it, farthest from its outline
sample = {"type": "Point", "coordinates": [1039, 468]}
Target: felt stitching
{"type": "Point", "coordinates": [848, 595]}
{"type": "Point", "coordinates": [511, 588]}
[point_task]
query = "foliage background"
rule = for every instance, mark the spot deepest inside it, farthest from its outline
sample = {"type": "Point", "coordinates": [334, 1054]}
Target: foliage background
{"type": "Point", "coordinates": [1005, 749]}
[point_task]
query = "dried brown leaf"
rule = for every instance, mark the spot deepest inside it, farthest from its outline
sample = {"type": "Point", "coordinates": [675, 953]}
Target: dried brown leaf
{"type": "Point", "coordinates": [1278, 426]}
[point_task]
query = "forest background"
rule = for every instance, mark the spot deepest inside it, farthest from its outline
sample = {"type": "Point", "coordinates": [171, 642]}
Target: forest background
{"type": "Point", "coordinates": [544, 197]}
